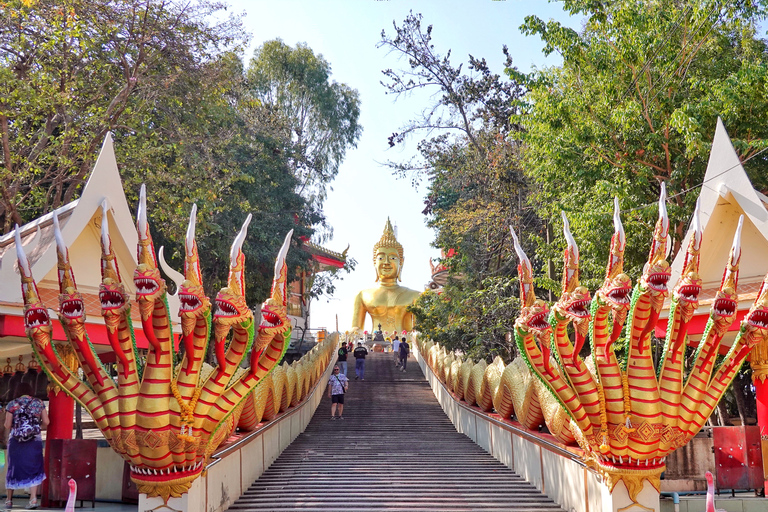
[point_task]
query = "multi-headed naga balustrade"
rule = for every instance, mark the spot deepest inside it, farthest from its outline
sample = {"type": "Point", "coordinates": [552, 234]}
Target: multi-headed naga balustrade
{"type": "Point", "coordinates": [624, 413]}
{"type": "Point", "coordinates": [166, 421]}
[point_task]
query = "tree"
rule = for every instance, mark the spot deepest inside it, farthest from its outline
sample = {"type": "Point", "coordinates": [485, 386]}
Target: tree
{"type": "Point", "coordinates": [472, 318]}
{"type": "Point", "coordinates": [319, 116]}
{"type": "Point", "coordinates": [476, 187]}
{"type": "Point", "coordinates": [321, 283]}
{"type": "Point", "coordinates": [71, 71]}
{"type": "Point", "coordinates": [634, 104]}
{"type": "Point", "coordinates": [168, 81]}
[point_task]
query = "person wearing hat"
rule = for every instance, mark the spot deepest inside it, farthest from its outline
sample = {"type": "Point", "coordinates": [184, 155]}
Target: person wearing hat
{"type": "Point", "coordinates": [360, 353]}
{"type": "Point", "coordinates": [337, 387]}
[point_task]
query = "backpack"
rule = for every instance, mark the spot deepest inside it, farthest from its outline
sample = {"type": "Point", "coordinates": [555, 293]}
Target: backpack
{"type": "Point", "coordinates": [26, 425]}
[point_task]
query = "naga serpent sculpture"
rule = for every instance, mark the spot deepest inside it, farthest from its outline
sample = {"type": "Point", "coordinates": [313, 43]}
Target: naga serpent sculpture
{"type": "Point", "coordinates": [165, 421]}
{"type": "Point", "coordinates": [626, 415]}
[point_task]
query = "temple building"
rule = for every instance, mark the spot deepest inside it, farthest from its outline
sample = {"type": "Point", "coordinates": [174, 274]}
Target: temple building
{"type": "Point", "coordinates": [80, 223]}
{"type": "Point", "coordinates": [726, 194]}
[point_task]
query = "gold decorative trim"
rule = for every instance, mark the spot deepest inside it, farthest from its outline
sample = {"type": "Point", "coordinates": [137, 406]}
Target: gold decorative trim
{"type": "Point", "coordinates": [167, 489]}
{"type": "Point", "coordinates": [633, 479]}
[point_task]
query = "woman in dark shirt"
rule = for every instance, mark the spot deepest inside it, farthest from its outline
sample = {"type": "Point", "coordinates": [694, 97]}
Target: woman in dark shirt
{"type": "Point", "coordinates": [25, 417]}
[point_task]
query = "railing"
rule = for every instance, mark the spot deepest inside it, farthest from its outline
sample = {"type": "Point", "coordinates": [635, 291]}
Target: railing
{"type": "Point", "coordinates": [242, 460]}
{"type": "Point", "coordinates": [551, 467]}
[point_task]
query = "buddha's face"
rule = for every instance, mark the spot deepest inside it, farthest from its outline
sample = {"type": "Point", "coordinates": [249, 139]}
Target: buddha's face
{"type": "Point", "coordinates": [387, 263]}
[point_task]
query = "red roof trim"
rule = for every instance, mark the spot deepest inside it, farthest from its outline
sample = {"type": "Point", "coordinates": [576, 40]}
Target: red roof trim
{"type": "Point", "coordinates": [325, 260]}
{"type": "Point", "coordinates": [697, 325]}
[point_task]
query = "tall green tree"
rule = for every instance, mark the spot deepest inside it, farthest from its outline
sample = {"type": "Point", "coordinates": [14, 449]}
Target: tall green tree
{"type": "Point", "coordinates": [319, 116]}
{"type": "Point", "coordinates": [634, 104]}
{"type": "Point", "coordinates": [167, 79]}
{"type": "Point", "coordinates": [475, 185]}
{"type": "Point", "coordinates": [72, 70]}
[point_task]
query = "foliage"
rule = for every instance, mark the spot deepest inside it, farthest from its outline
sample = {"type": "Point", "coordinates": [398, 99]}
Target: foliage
{"type": "Point", "coordinates": [473, 320]}
{"type": "Point", "coordinates": [465, 104]}
{"type": "Point", "coordinates": [319, 116]}
{"type": "Point", "coordinates": [634, 104]}
{"type": "Point", "coordinates": [72, 70]}
{"type": "Point", "coordinates": [167, 79]}
{"type": "Point", "coordinates": [476, 187]}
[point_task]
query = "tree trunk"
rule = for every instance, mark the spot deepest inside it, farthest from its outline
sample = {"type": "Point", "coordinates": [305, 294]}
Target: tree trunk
{"type": "Point", "coordinates": [722, 414]}
{"type": "Point", "coordinates": [739, 390]}
{"type": "Point", "coordinates": [78, 420]}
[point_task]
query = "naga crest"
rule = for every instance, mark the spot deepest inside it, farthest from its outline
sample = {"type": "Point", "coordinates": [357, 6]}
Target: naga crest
{"type": "Point", "coordinates": [657, 272]}
{"type": "Point", "coordinates": [192, 299]}
{"type": "Point", "coordinates": [533, 312]}
{"type": "Point", "coordinates": [71, 304]}
{"type": "Point", "coordinates": [688, 287]}
{"type": "Point", "coordinates": [726, 302]}
{"type": "Point", "coordinates": [37, 322]}
{"type": "Point", "coordinates": [274, 310]}
{"type": "Point", "coordinates": [230, 303]}
{"type": "Point", "coordinates": [617, 286]}
{"type": "Point", "coordinates": [113, 296]}
{"type": "Point", "coordinates": [150, 286]}
{"type": "Point", "coordinates": [575, 300]}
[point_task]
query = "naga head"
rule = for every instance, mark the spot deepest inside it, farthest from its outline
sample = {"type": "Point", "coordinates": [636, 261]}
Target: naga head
{"type": "Point", "coordinates": [231, 307]}
{"type": "Point", "coordinates": [755, 324]}
{"type": "Point", "coordinates": [150, 285]}
{"type": "Point", "coordinates": [575, 300]}
{"type": "Point", "coordinates": [192, 299]}
{"type": "Point", "coordinates": [533, 311]}
{"type": "Point", "coordinates": [688, 287]}
{"type": "Point", "coordinates": [274, 310]}
{"type": "Point", "coordinates": [37, 322]}
{"type": "Point", "coordinates": [725, 305]}
{"type": "Point", "coordinates": [71, 304]}
{"type": "Point", "coordinates": [656, 274]}
{"type": "Point", "coordinates": [617, 286]}
{"type": "Point", "coordinates": [113, 296]}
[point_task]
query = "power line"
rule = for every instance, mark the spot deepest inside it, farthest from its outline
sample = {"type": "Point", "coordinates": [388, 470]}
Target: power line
{"type": "Point", "coordinates": [656, 52]}
{"type": "Point", "coordinates": [648, 205]}
{"type": "Point", "coordinates": [672, 75]}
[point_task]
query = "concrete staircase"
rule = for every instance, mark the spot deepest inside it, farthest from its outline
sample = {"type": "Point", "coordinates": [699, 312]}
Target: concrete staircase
{"type": "Point", "coordinates": [394, 450]}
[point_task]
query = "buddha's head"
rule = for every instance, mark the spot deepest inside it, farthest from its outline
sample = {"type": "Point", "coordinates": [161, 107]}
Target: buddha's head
{"type": "Point", "coordinates": [388, 256]}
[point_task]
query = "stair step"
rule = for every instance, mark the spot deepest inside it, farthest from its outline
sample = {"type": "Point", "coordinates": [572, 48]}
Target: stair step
{"type": "Point", "coordinates": [395, 450]}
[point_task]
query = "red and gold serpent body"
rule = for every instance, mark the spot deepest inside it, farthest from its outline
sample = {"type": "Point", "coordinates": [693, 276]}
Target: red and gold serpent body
{"type": "Point", "coordinates": [626, 416]}
{"type": "Point", "coordinates": [165, 421]}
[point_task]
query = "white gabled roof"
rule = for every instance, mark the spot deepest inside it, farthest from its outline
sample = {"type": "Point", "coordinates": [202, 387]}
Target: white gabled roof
{"type": "Point", "coordinates": [80, 223]}
{"type": "Point", "coordinates": [727, 193]}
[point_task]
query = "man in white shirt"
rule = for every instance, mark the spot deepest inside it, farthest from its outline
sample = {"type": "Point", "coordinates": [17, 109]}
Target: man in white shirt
{"type": "Point", "coordinates": [396, 350]}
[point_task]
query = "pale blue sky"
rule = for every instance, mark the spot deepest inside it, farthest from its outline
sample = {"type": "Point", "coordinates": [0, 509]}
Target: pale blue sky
{"type": "Point", "coordinates": [365, 193]}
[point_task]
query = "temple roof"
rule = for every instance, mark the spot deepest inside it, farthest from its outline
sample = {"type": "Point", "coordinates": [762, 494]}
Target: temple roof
{"type": "Point", "coordinates": [726, 193]}
{"type": "Point", "coordinates": [326, 257]}
{"type": "Point", "coordinates": [80, 223]}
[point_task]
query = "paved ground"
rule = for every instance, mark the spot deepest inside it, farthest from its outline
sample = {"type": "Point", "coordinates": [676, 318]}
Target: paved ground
{"type": "Point", "coordinates": [394, 450]}
{"type": "Point", "coordinates": [100, 506]}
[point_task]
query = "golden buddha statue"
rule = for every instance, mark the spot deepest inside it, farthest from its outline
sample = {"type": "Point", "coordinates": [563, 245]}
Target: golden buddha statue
{"type": "Point", "coordinates": [387, 302]}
